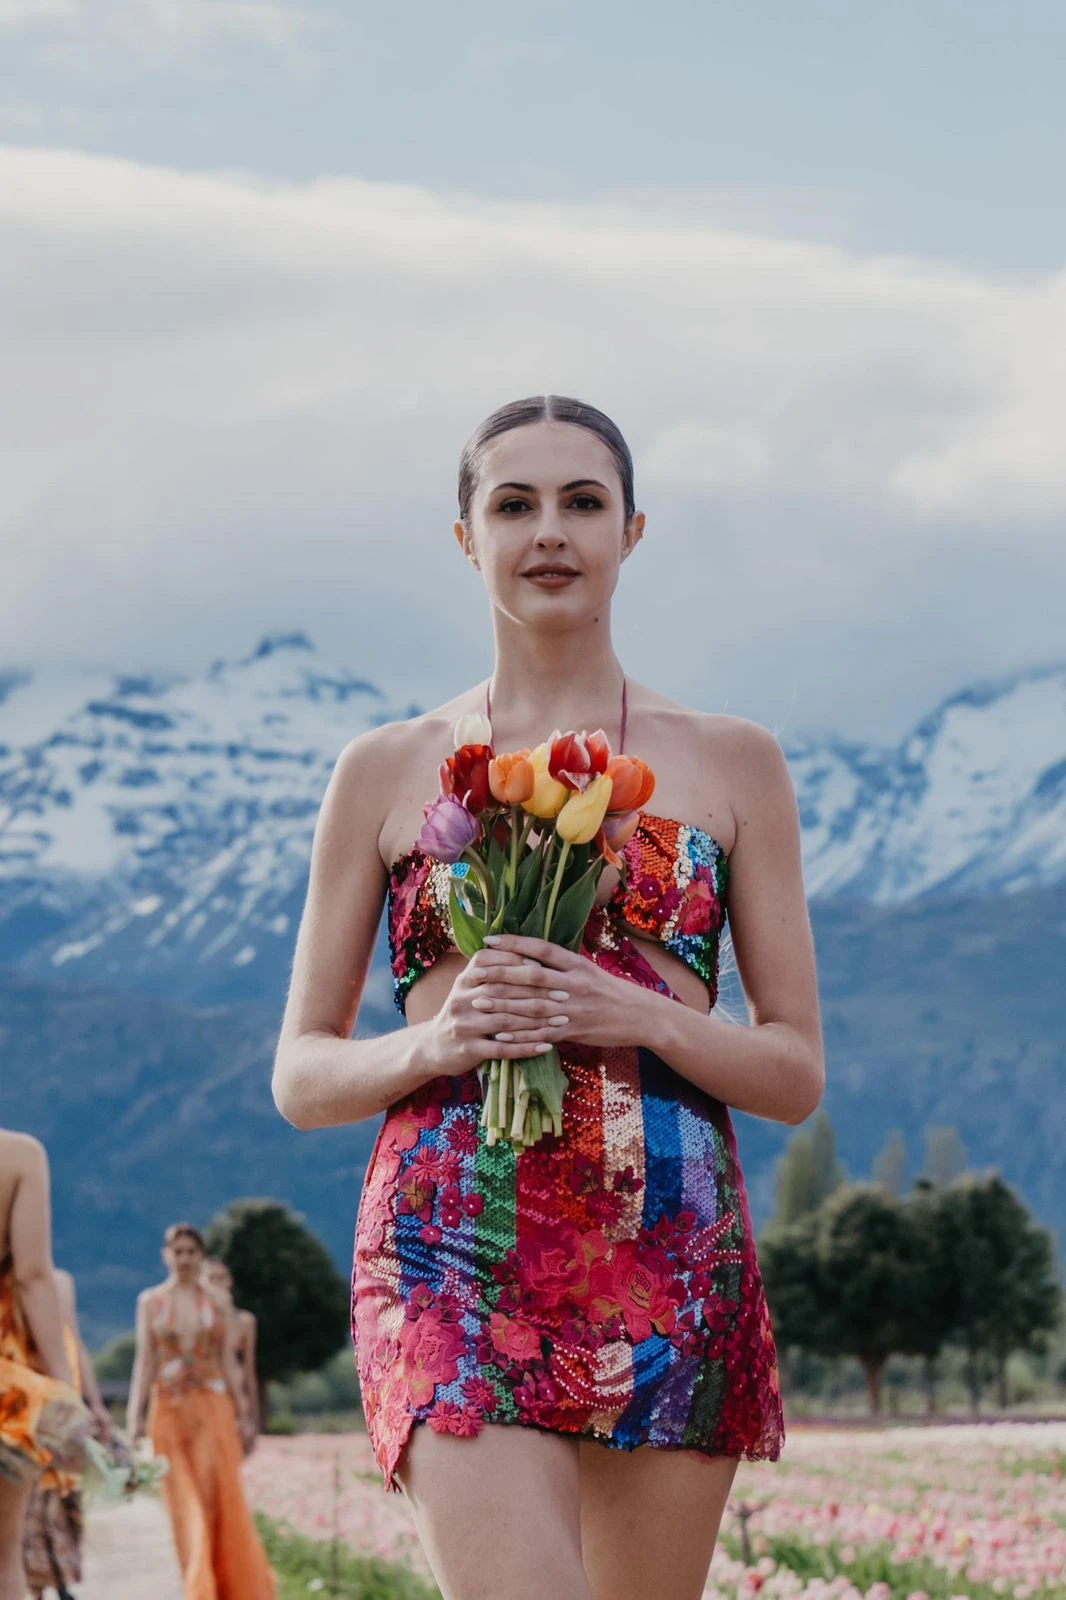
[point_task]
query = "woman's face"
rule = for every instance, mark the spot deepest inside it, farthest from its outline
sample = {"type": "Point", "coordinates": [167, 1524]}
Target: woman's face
{"type": "Point", "coordinates": [216, 1276]}
{"type": "Point", "coordinates": [547, 525]}
{"type": "Point", "coordinates": [183, 1256]}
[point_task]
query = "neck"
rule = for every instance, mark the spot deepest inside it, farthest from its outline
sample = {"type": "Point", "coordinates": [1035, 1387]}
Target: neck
{"type": "Point", "coordinates": [564, 680]}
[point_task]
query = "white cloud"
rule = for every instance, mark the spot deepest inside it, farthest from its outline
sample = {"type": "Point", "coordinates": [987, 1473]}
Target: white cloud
{"type": "Point", "coordinates": [235, 400]}
{"type": "Point", "coordinates": [155, 24]}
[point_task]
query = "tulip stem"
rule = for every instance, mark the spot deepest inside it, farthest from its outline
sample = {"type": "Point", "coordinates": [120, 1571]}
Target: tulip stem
{"type": "Point", "coordinates": [556, 886]}
{"type": "Point", "coordinates": [482, 877]}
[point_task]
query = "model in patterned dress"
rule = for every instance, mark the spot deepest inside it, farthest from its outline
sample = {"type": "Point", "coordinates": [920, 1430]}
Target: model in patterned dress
{"type": "Point", "coordinates": [575, 1337]}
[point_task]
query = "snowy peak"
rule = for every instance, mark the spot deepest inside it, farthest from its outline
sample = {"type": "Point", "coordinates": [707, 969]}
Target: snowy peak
{"type": "Point", "coordinates": [154, 825]}
{"type": "Point", "coordinates": [972, 801]}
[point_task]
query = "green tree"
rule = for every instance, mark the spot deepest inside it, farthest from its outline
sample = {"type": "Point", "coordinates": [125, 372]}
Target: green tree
{"type": "Point", "coordinates": [946, 1157]}
{"type": "Point", "coordinates": [866, 1254]}
{"type": "Point", "coordinates": [1009, 1296]}
{"type": "Point", "coordinates": [284, 1275]}
{"type": "Point", "coordinates": [936, 1283]}
{"type": "Point", "coordinates": [789, 1261]}
{"type": "Point", "coordinates": [808, 1172]}
{"type": "Point", "coordinates": [890, 1166]}
{"type": "Point", "coordinates": [114, 1363]}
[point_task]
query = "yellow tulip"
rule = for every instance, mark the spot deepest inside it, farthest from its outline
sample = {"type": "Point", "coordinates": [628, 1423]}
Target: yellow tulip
{"type": "Point", "coordinates": [549, 795]}
{"type": "Point", "coordinates": [579, 820]}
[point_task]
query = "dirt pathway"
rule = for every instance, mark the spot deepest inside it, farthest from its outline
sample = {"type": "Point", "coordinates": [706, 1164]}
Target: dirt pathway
{"type": "Point", "coordinates": [129, 1553]}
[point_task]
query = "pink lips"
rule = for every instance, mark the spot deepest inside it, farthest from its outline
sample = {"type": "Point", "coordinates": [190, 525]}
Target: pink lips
{"type": "Point", "coordinates": [547, 578]}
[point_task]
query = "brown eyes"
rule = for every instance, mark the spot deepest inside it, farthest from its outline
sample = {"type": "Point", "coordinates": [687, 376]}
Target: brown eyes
{"type": "Point", "coordinates": [580, 502]}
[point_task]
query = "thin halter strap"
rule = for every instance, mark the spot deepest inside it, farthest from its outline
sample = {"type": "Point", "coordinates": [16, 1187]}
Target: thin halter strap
{"type": "Point", "coordinates": [622, 723]}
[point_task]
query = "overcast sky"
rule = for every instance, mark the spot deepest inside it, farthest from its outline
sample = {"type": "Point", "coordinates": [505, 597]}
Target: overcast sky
{"type": "Point", "coordinates": [263, 266]}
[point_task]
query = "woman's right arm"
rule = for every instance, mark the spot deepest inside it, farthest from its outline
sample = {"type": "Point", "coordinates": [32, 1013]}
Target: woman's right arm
{"type": "Point", "coordinates": [31, 1253]}
{"type": "Point", "coordinates": [143, 1373]}
{"type": "Point", "coordinates": [324, 1078]}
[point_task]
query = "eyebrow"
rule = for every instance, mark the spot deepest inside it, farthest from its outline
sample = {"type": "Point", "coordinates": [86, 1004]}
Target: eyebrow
{"type": "Point", "coordinates": [577, 483]}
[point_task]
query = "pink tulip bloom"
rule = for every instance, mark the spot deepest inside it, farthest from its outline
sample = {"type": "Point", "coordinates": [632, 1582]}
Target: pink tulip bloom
{"type": "Point", "coordinates": [449, 829]}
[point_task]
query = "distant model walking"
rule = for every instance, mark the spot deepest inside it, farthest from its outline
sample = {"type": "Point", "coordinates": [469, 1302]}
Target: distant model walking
{"type": "Point", "coordinates": [42, 1421]}
{"type": "Point", "coordinates": [186, 1369]}
{"type": "Point", "coordinates": [218, 1277]}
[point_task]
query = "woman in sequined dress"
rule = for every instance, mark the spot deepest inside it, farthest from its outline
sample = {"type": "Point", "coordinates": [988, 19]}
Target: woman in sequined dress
{"type": "Point", "coordinates": [562, 1355]}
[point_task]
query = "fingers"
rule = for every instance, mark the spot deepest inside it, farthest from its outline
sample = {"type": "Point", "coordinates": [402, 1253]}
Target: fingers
{"type": "Point", "coordinates": [530, 974]}
{"type": "Point", "coordinates": [539, 950]}
{"type": "Point", "coordinates": [499, 999]}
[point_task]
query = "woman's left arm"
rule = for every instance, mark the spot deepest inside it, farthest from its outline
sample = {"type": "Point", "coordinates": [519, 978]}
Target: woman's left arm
{"type": "Point", "coordinates": [775, 1068]}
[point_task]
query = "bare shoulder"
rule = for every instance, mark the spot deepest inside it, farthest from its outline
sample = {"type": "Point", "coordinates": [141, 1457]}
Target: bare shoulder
{"type": "Point", "coordinates": [22, 1153]}
{"type": "Point", "coordinates": [247, 1320]}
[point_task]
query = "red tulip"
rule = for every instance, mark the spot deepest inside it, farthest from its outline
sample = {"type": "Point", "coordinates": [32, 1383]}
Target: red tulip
{"type": "Point", "coordinates": [466, 776]}
{"type": "Point", "coordinates": [615, 833]}
{"type": "Point", "coordinates": [576, 758]}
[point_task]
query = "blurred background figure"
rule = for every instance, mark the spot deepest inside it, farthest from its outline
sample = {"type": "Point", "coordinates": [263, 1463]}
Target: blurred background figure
{"type": "Point", "coordinates": [52, 1531]}
{"type": "Point", "coordinates": [42, 1421]}
{"type": "Point", "coordinates": [186, 1376]}
{"type": "Point", "coordinates": [218, 1277]}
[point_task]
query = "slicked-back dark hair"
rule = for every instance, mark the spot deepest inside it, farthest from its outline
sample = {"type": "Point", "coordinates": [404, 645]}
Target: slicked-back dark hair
{"type": "Point", "coordinates": [542, 408]}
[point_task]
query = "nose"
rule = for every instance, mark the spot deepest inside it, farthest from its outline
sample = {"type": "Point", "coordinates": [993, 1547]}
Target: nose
{"type": "Point", "coordinates": [550, 535]}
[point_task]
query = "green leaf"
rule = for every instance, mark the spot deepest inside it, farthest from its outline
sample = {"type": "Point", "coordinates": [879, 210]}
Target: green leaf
{"type": "Point", "coordinates": [468, 931]}
{"type": "Point", "coordinates": [572, 910]}
{"type": "Point", "coordinates": [533, 924]}
{"type": "Point", "coordinates": [497, 861]}
{"type": "Point", "coordinates": [545, 1076]}
{"type": "Point", "coordinates": [522, 901]}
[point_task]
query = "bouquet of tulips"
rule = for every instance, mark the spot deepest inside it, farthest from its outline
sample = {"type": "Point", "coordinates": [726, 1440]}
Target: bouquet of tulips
{"type": "Point", "coordinates": [529, 834]}
{"type": "Point", "coordinates": [118, 1471]}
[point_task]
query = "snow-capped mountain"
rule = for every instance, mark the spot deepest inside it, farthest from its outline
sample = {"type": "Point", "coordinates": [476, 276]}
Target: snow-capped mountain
{"type": "Point", "coordinates": [161, 832]}
{"type": "Point", "coordinates": [156, 831]}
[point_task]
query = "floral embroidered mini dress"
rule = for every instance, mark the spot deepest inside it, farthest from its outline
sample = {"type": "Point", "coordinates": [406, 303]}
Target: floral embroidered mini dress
{"type": "Point", "coordinates": [603, 1284]}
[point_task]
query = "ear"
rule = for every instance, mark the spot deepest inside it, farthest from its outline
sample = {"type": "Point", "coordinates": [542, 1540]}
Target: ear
{"type": "Point", "coordinates": [465, 542]}
{"type": "Point", "coordinates": [633, 533]}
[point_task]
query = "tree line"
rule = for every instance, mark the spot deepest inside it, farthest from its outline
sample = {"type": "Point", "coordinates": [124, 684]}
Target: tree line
{"type": "Point", "coordinates": [866, 1271]}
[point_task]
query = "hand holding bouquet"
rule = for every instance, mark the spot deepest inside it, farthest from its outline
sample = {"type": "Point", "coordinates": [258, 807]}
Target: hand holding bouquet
{"type": "Point", "coordinates": [528, 835]}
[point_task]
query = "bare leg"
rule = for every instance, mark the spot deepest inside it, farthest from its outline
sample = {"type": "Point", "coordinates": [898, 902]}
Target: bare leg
{"type": "Point", "coordinates": [12, 1506]}
{"type": "Point", "coordinates": [498, 1514]}
{"type": "Point", "coordinates": [650, 1519]}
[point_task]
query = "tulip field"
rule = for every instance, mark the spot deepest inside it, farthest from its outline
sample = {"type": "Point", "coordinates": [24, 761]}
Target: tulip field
{"type": "Point", "coordinates": [962, 1512]}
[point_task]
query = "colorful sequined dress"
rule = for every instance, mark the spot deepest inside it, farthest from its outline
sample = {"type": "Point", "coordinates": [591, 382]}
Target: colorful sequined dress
{"type": "Point", "coordinates": [604, 1284]}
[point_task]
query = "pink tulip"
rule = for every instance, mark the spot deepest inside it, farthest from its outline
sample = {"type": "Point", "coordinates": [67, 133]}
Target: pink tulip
{"type": "Point", "coordinates": [449, 829]}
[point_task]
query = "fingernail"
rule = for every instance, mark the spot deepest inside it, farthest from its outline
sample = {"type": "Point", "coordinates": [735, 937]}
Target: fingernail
{"type": "Point", "coordinates": [482, 1005]}
{"type": "Point", "coordinates": [558, 1022]}
{"type": "Point", "coordinates": [504, 1036]}
{"type": "Point", "coordinates": [558, 994]}
{"type": "Point", "coordinates": [491, 938]}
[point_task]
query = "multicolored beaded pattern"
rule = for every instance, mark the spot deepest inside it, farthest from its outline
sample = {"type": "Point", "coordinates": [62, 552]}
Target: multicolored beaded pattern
{"type": "Point", "coordinates": [604, 1284]}
{"type": "Point", "coordinates": [674, 891]}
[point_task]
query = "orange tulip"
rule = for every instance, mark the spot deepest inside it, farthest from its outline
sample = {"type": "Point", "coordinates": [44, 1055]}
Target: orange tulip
{"type": "Point", "coordinates": [633, 783]}
{"type": "Point", "coordinates": [511, 778]}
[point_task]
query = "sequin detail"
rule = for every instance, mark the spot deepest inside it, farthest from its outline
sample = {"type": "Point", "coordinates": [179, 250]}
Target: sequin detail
{"type": "Point", "coordinates": [674, 891]}
{"type": "Point", "coordinates": [605, 1284]}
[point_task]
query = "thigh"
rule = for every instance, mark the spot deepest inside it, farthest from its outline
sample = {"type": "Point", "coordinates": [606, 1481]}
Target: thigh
{"type": "Point", "coordinates": [498, 1514]}
{"type": "Point", "coordinates": [649, 1520]}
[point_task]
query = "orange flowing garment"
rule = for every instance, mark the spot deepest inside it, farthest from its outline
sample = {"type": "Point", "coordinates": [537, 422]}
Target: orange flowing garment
{"type": "Point", "coordinates": [191, 1421]}
{"type": "Point", "coordinates": [43, 1423]}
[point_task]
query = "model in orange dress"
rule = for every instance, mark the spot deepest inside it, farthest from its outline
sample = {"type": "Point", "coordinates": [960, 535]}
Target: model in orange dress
{"type": "Point", "coordinates": [198, 1418]}
{"type": "Point", "coordinates": [43, 1423]}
